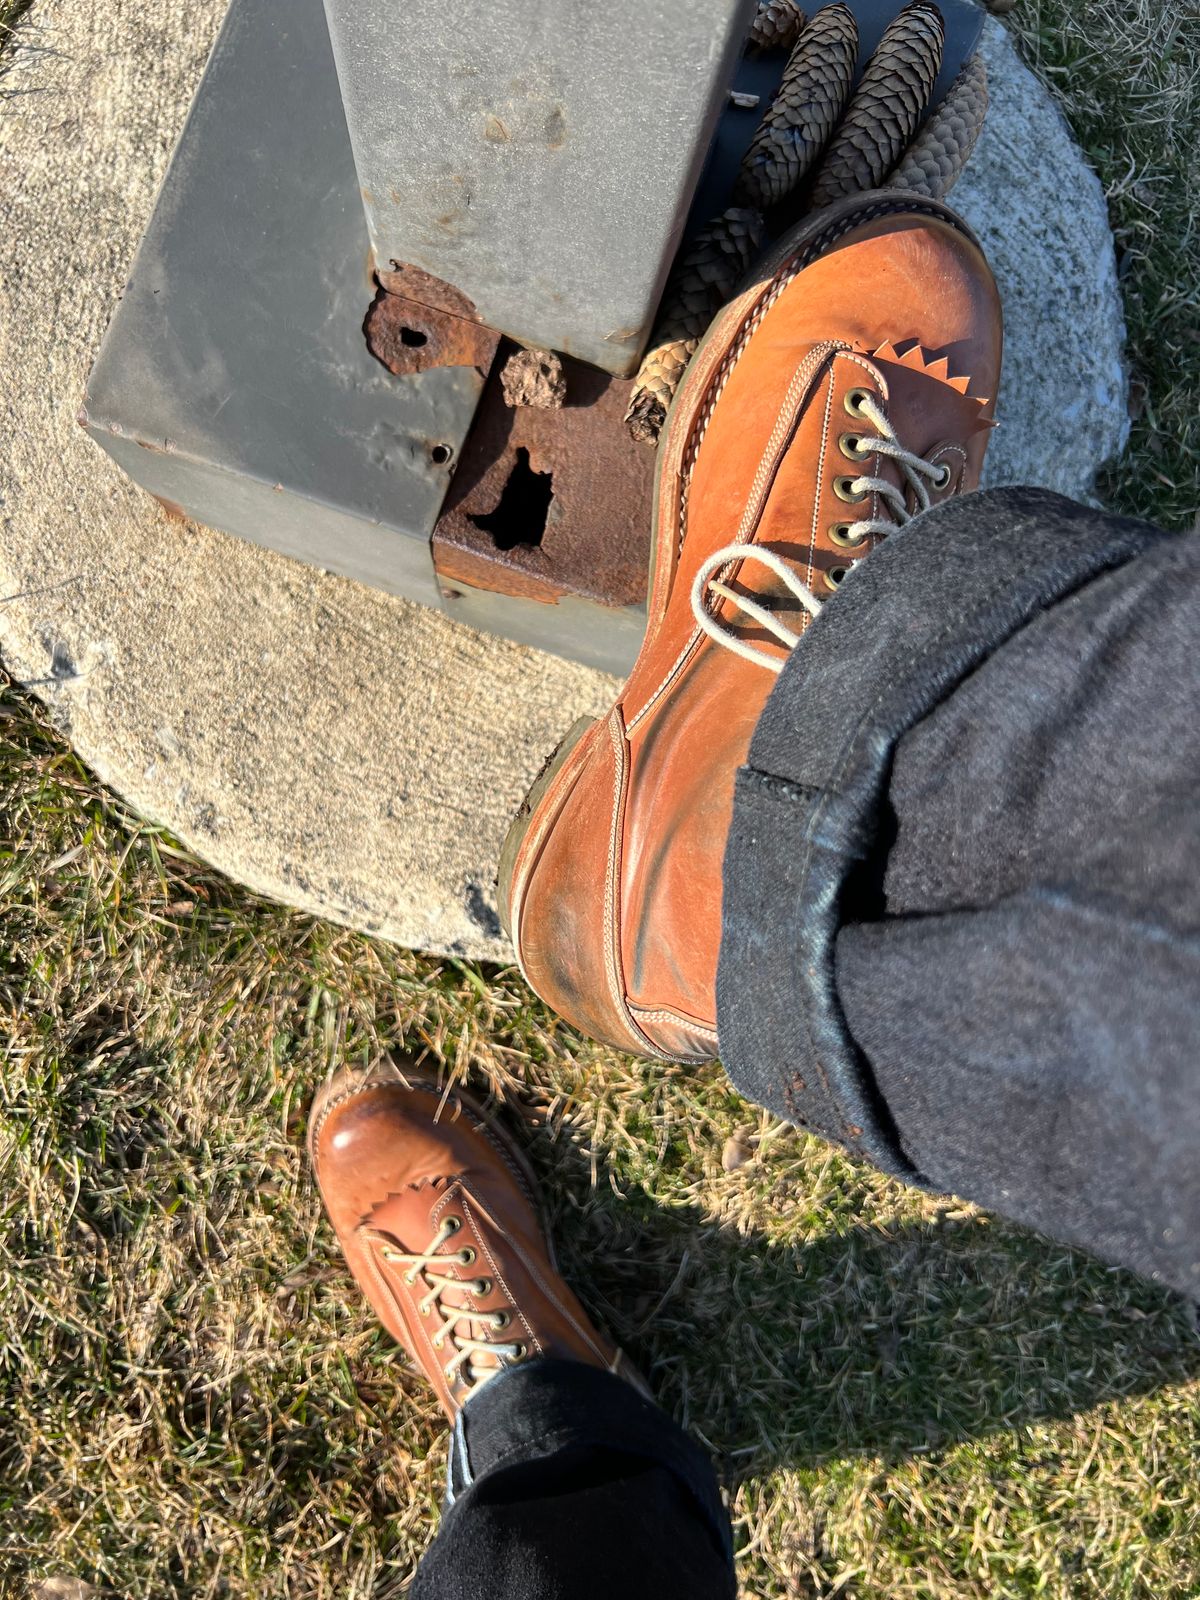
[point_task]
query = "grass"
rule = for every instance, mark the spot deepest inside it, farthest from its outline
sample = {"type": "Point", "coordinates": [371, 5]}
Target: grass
{"type": "Point", "coordinates": [10, 12]}
{"type": "Point", "coordinates": [905, 1398]}
{"type": "Point", "coordinates": [1127, 73]}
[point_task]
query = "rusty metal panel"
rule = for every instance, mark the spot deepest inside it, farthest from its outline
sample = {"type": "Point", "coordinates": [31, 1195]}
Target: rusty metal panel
{"type": "Point", "coordinates": [545, 534]}
{"type": "Point", "coordinates": [261, 377]}
{"type": "Point", "coordinates": [542, 155]}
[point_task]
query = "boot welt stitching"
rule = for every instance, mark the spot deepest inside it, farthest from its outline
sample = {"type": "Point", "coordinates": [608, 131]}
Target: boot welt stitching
{"type": "Point", "coordinates": [674, 1017]}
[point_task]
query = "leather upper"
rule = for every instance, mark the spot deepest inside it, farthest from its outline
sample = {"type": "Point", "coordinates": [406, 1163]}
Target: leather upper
{"type": "Point", "coordinates": [402, 1164]}
{"type": "Point", "coordinates": [620, 889]}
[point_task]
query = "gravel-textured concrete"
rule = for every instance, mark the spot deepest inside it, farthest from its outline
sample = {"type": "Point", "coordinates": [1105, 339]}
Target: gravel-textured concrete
{"type": "Point", "coordinates": [339, 749]}
{"type": "Point", "coordinates": [1040, 212]}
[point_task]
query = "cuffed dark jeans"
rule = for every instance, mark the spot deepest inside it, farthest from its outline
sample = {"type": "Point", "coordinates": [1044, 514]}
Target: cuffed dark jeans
{"type": "Point", "coordinates": [961, 937]}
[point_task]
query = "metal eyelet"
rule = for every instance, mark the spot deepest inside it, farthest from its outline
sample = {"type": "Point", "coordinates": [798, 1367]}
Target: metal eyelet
{"type": "Point", "coordinates": [852, 446]}
{"type": "Point", "coordinates": [467, 1256]}
{"type": "Point", "coordinates": [839, 534]}
{"type": "Point", "coordinates": [842, 487]}
{"type": "Point", "coordinates": [501, 1320]}
{"type": "Point", "coordinates": [854, 399]}
{"type": "Point", "coordinates": [943, 481]}
{"type": "Point", "coordinates": [453, 1224]}
{"type": "Point", "coordinates": [833, 576]}
{"type": "Point", "coordinates": [521, 1352]}
{"type": "Point", "coordinates": [482, 1287]}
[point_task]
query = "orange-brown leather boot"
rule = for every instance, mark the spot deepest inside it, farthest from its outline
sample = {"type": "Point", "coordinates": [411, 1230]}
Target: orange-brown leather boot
{"type": "Point", "coordinates": [435, 1210]}
{"type": "Point", "coordinates": [849, 387]}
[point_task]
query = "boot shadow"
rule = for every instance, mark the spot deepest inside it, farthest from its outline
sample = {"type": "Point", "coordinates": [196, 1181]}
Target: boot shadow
{"type": "Point", "coordinates": [888, 1342]}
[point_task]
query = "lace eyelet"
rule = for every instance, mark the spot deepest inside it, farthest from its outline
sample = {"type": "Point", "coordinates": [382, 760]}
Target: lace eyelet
{"type": "Point", "coordinates": [946, 472]}
{"type": "Point", "coordinates": [832, 577]}
{"type": "Point", "coordinates": [854, 399]}
{"type": "Point", "coordinates": [522, 1350]}
{"type": "Point", "coordinates": [851, 446]}
{"type": "Point", "coordinates": [501, 1320]}
{"type": "Point", "coordinates": [842, 487]}
{"type": "Point", "coordinates": [453, 1224]}
{"type": "Point", "coordinates": [482, 1287]}
{"type": "Point", "coordinates": [467, 1256]}
{"type": "Point", "coordinates": [840, 535]}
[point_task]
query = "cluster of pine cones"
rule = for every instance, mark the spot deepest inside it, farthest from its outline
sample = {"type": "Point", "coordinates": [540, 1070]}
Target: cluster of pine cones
{"type": "Point", "coordinates": [821, 138]}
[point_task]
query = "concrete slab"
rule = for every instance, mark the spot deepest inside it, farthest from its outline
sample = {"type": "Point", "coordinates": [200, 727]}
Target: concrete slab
{"type": "Point", "coordinates": [347, 751]}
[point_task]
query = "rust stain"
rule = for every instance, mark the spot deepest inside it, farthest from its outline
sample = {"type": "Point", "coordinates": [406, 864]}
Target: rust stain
{"type": "Point", "coordinates": [479, 569]}
{"type": "Point", "coordinates": [172, 509]}
{"type": "Point", "coordinates": [414, 283]}
{"type": "Point", "coordinates": [416, 322]}
{"type": "Point", "coordinates": [548, 503]}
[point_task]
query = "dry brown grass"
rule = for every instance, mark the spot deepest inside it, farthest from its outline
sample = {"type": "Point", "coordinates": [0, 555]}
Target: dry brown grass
{"type": "Point", "coordinates": [904, 1398]}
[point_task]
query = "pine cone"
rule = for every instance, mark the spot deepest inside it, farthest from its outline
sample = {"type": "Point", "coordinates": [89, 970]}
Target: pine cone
{"type": "Point", "coordinates": [812, 97]}
{"type": "Point", "coordinates": [775, 28]}
{"type": "Point", "coordinates": [887, 108]}
{"type": "Point", "coordinates": [705, 277]}
{"type": "Point", "coordinates": [933, 163]}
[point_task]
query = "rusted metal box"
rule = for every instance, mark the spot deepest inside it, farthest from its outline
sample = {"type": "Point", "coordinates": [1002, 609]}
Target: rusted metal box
{"type": "Point", "coordinates": [236, 383]}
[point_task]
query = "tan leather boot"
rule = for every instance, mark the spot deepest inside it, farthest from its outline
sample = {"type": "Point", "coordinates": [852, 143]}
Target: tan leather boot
{"type": "Point", "coordinates": [435, 1210]}
{"type": "Point", "coordinates": [848, 388]}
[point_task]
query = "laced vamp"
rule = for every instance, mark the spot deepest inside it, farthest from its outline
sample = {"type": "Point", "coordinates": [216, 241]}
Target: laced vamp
{"type": "Point", "coordinates": [465, 1347]}
{"type": "Point", "coordinates": [919, 475]}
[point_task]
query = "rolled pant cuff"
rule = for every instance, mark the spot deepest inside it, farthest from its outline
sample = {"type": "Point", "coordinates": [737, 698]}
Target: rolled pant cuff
{"type": "Point", "coordinates": [902, 633]}
{"type": "Point", "coordinates": [539, 1409]}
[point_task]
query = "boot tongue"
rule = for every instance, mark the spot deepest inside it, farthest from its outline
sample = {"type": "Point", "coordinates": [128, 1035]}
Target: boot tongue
{"type": "Point", "coordinates": [929, 403]}
{"type": "Point", "coordinates": [408, 1215]}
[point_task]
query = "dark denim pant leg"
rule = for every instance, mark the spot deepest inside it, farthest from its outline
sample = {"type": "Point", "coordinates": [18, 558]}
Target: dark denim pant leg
{"type": "Point", "coordinates": [565, 1484]}
{"type": "Point", "coordinates": [962, 905]}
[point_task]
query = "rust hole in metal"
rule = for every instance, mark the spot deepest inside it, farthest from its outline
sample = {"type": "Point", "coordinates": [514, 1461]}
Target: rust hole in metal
{"type": "Point", "coordinates": [440, 454]}
{"type": "Point", "coordinates": [524, 505]}
{"type": "Point", "coordinates": [412, 336]}
{"type": "Point", "coordinates": [592, 539]}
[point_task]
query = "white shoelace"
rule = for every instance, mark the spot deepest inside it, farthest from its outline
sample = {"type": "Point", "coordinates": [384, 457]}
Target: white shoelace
{"type": "Point", "coordinates": [465, 1347]}
{"type": "Point", "coordinates": [918, 473]}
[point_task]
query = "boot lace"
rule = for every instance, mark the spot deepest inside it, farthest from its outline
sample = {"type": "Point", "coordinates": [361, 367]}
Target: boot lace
{"type": "Point", "coordinates": [457, 1320]}
{"type": "Point", "coordinates": [919, 476]}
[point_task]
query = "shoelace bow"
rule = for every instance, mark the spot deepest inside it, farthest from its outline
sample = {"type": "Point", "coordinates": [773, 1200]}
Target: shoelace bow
{"type": "Point", "coordinates": [918, 473]}
{"type": "Point", "coordinates": [424, 1266]}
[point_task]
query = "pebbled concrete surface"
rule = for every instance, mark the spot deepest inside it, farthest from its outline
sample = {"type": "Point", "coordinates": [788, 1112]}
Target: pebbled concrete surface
{"type": "Point", "coordinates": [1041, 215]}
{"type": "Point", "coordinates": [330, 746]}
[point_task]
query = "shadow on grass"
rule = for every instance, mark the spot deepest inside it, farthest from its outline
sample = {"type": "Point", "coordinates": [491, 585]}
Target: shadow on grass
{"type": "Point", "coordinates": [887, 1342]}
